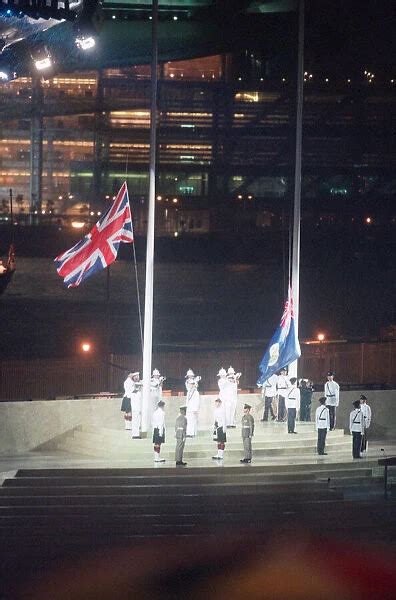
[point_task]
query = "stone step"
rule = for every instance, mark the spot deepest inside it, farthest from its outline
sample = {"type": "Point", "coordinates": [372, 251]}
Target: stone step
{"type": "Point", "coordinates": [125, 440]}
{"type": "Point", "coordinates": [217, 477]}
{"type": "Point", "coordinates": [187, 473]}
{"type": "Point", "coordinates": [145, 452]}
{"type": "Point", "coordinates": [226, 489]}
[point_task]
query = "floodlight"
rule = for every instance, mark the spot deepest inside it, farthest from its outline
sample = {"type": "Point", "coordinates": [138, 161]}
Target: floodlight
{"type": "Point", "coordinates": [85, 42]}
{"type": "Point", "coordinates": [42, 58]}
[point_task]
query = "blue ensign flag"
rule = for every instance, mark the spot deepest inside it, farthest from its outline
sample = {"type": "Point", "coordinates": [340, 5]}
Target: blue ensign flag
{"type": "Point", "coordinates": [284, 347]}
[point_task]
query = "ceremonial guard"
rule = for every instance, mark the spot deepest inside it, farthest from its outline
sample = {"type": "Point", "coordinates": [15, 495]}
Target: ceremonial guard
{"type": "Point", "coordinates": [247, 433]}
{"type": "Point", "coordinates": [156, 388]}
{"type": "Point", "coordinates": [366, 410]}
{"type": "Point", "coordinates": [292, 405]}
{"type": "Point", "coordinates": [136, 404]}
{"type": "Point", "coordinates": [223, 384]}
{"type": "Point", "coordinates": [192, 402]}
{"type": "Point", "coordinates": [269, 393]}
{"type": "Point", "coordinates": [332, 393]}
{"type": "Point", "coordinates": [356, 427]}
{"type": "Point", "coordinates": [231, 397]}
{"type": "Point", "coordinates": [126, 402]}
{"type": "Point", "coordinates": [158, 431]}
{"type": "Point", "coordinates": [219, 434]}
{"type": "Point", "coordinates": [282, 385]}
{"type": "Point", "coordinates": [180, 434]}
{"type": "Point", "coordinates": [322, 425]}
{"type": "Point", "coordinates": [306, 391]}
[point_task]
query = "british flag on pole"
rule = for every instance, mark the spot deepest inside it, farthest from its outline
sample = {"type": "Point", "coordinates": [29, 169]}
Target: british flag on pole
{"type": "Point", "coordinates": [284, 347]}
{"type": "Point", "coordinates": [99, 248]}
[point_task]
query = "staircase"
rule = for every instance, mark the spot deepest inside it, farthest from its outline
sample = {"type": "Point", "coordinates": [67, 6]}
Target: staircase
{"type": "Point", "coordinates": [270, 440]}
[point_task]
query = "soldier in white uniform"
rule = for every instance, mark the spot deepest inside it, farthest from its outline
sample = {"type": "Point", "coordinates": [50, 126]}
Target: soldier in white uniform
{"type": "Point", "coordinates": [282, 385]}
{"type": "Point", "coordinates": [356, 427]}
{"type": "Point", "coordinates": [219, 433]}
{"type": "Point", "coordinates": [231, 396]}
{"type": "Point", "coordinates": [366, 410]}
{"type": "Point", "coordinates": [136, 404]}
{"type": "Point", "coordinates": [292, 405]}
{"type": "Point", "coordinates": [126, 402]}
{"type": "Point", "coordinates": [223, 384]}
{"type": "Point", "coordinates": [322, 425]}
{"type": "Point", "coordinates": [332, 393]}
{"type": "Point", "coordinates": [180, 435]}
{"type": "Point", "coordinates": [247, 433]}
{"type": "Point", "coordinates": [192, 402]}
{"type": "Point", "coordinates": [158, 431]}
{"type": "Point", "coordinates": [156, 388]}
{"type": "Point", "coordinates": [269, 392]}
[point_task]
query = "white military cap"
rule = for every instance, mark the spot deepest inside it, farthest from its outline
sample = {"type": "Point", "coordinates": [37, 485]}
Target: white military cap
{"type": "Point", "coordinates": [190, 373]}
{"type": "Point", "coordinates": [222, 372]}
{"type": "Point", "coordinates": [231, 371]}
{"type": "Point", "coordinates": [156, 372]}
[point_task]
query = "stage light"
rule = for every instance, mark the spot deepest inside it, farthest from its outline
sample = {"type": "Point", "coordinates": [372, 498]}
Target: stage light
{"type": "Point", "coordinates": [321, 337]}
{"type": "Point", "coordinates": [4, 76]}
{"type": "Point", "coordinates": [77, 224]}
{"type": "Point", "coordinates": [86, 347]}
{"type": "Point", "coordinates": [41, 58]}
{"type": "Point", "coordinates": [85, 42]}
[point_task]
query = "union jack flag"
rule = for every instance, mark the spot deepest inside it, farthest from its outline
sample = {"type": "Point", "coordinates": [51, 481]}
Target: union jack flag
{"type": "Point", "coordinates": [99, 248]}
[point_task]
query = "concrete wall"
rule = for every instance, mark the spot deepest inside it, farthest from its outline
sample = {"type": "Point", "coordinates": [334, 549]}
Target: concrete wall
{"type": "Point", "coordinates": [26, 426]}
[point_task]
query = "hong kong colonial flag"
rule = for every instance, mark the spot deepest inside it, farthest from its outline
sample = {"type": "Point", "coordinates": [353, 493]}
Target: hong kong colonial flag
{"type": "Point", "coordinates": [284, 347]}
{"type": "Point", "coordinates": [99, 248]}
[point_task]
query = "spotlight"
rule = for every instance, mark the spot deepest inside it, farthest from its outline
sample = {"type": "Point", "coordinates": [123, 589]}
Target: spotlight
{"type": "Point", "coordinates": [4, 76]}
{"type": "Point", "coordinates": [41, 58]}
{"type": "Point", "coordinates": [85, 42]}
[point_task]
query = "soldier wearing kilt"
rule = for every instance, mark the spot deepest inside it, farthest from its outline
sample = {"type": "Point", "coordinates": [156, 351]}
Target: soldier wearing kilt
{"type": "Point", "coordinates": [126, 401]}
{"type": "Point", "coordinates": [158, 430]}
{"type": "Point", "coordinates": [219, 433]}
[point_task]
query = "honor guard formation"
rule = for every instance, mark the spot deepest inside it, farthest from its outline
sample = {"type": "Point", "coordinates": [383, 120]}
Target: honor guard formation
{"type": "Point", "coordinates": [284, 400]}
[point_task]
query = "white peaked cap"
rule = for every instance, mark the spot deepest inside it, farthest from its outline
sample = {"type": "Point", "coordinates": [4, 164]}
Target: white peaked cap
{"type": "Point", "coordinates": [190, 373]}
{"type": "Point", "coordinates": [156, 372]}
{"type": "Point", "coordinates": [230, 371]}
{"type": "Point", "coordinates": [222, 372]}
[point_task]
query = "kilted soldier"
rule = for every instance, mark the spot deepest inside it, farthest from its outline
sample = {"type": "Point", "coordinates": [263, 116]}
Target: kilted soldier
{"type": "Point", "coordinates": [366, 410]}
{"type": "Point", "coordinates": [282, 385]}
{"type": "Point", "coordinates": [332, 393]}
{"type": "Point", "coordinates": [247, 433]}
{"type": "Point", "coordinates": [219, 433]}
{"type": "Point", "coordinates": [322, 425]}
{"type": "Point", "coordinates": [126, 401]}
{"type": "Point", "coordinates": [269, 393]}
{"type": "Point", "coordinates": [158, 431]}
{"type": "Point", "coordinates": [356, 427]}
{"type": "Point", "coordinates": [192, 402]}
{"type": "Point", "coordinates": [180, 435]}
{"type": "Point", "coordinates": [292, 405]}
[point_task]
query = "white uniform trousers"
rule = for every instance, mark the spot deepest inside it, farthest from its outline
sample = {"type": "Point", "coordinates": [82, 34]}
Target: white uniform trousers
{"type": "Point", "coordinates": [192, 422]}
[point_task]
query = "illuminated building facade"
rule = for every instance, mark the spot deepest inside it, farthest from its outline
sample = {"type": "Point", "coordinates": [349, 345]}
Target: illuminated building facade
{"type": "Point", "coordinates": [225, 144]}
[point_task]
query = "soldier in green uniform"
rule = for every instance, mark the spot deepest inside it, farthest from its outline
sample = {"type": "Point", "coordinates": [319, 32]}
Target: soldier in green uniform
{"type": "Point", "coordinates": [180, 434]}
{"type": "Point", "coordinates": [247, 433]}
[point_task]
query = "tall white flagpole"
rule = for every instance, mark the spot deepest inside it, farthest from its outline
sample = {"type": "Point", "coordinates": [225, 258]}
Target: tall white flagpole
{"type": "Point", "coordinates": [295, 275]}
{"type": "Point", "coordinates": [148, 302]}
